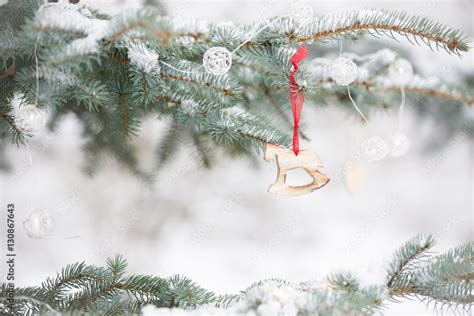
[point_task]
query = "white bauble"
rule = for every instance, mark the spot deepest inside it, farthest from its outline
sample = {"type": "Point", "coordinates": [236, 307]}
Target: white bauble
{"type": "Point", "coordinates": [400, 72]}
{"type": "Point", "coordinates": [38, 224]}
{"type": "Point", "coordinates": [302, 11]}
{"type": "Point", "coordinates": [398, 144]}
{"type": "Point", "coordinates": [217, 60]}
{"type": "Point", "coordinates": [374, 149]}
{"type": "Point", "coordinates": [23, 126]}
{"type": "Point", "coordinates": [343, 71]}
{"type": "Point", "coordinates": [32, 117]}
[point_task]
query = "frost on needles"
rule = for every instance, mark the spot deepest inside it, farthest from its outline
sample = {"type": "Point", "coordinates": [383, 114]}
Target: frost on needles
{"type": "Point", "coordinates": [445, 281]}
{"type": "Point", "coordinates": [113, 72]}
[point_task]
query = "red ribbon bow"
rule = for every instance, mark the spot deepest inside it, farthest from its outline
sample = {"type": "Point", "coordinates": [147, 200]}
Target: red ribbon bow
{"type": "Point", "coordinates": [296, 97]}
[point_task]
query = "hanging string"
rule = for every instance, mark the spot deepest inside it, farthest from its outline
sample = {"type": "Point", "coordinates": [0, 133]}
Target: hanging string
{"type": "Point", "coordinates": [355, 105]}
{"type": "Point", "coordinates": [174, 68]}
{"type": "Point", "coordinates": [35, 53]}
{"type": "Point", "coordinates": [349, 90]}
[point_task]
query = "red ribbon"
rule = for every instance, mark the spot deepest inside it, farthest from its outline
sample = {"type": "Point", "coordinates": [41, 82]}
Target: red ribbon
{"type": "Point", "coordinates": [296, 97]}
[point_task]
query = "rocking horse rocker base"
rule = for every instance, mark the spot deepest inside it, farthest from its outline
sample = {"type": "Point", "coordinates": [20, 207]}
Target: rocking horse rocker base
{"type": "Point", "coordinates": [287, 160]}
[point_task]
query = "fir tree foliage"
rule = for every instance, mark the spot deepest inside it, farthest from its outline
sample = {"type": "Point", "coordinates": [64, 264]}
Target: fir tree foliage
{"type": "Point", "coordinates": [445, 279]}
{"type": "Point", "coordinates": [112, 72]}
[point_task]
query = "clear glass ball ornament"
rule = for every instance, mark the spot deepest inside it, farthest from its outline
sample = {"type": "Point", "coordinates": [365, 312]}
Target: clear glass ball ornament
{"type": "Point", "coordinates": [38, 224]}
{"type": "Point", "coordinates": [217, 60]}
{"type": "Point", "coordinates": [398, 144]}
{"type": "Point", "coordinates": [343, 71]}
{"type": "Point", "coordinates": [23, 126]}
{"type": "Point", "coordinates": [302, 11]}
{"type": "Point", "coordinates": [374, 149]}
{"type": "Point", "coordinates": [400, 72]}
{"type": "Point", "coordinates": [32, 117]}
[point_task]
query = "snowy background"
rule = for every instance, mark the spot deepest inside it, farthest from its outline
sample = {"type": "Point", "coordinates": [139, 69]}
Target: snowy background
{"type": "Point", "coordinates": [220, 227]}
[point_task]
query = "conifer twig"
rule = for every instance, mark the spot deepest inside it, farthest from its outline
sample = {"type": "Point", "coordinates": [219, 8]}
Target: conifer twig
{"type": "Point", "coordinates": [445, 279]}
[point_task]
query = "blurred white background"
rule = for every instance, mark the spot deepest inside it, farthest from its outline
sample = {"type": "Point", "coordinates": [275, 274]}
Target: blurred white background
{"type": "Point", "coordinates": [220, 227]}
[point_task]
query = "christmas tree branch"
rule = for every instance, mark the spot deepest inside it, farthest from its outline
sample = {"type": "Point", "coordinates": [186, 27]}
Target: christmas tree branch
{"type": "Point", "coordinates": [451, 96]}
{"type": "Point", "coordinates": [8, 122]}
{"type": "Point", "coordinates": [431, 92]}
{"type": "Point", "coordinates": [446, 279]}
{"type": "Point", "coordinates": [125, 68]}
{"type": "Point", "coordinates": [407, 257]}
{"type": "Point", "coordinates": [374, 22]}
{"type": "Point", "coordinates": [201, 149]}
{"type": "Point", "coordinates": [168, 143]}
{"type": "Point", "coordinates": [375, 80]}
{"type": "Point", "coordinates": [384, 22]}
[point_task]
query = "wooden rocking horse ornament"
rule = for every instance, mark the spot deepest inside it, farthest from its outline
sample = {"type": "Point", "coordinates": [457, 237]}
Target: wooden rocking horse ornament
{"type": "Point", "coordinates": [287, 160]}
{"type": "Point", "coordinates": [291, 159]}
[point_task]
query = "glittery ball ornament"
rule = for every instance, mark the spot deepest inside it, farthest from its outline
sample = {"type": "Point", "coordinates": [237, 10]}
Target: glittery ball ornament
{"type": "Point", "coordinates": [33, 117]}
{"type": "Point", "coordinates": [38, 224]}
{"type": "Point", "coordinates": [343, 71]}
{"type": "Point", "coordinates": [400, 72]}
{"type": "Point", "coordinates": [374, 149]}
{"type": "Point", "coordinates": [217, 60]}
{"type": "Point", "coordinates": [398, 144]}
{"type": "Point", "coordinates": [302, 11]}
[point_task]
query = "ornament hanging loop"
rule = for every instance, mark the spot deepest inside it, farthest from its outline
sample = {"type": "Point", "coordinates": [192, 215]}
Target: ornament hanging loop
{"type": "Point", "coordinates": [296, 96]}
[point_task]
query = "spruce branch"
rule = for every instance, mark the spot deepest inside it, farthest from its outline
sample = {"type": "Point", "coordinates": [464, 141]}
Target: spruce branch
{"type": "Point", "coordinates": [117, 70]}
{"type": "Point", "coordinates": [445, 279]}
{"type": "Point", "coordinates": [10, 126]}
{"type": "Point", "coordinates": [374, 22]}
{"type": "Point", "coordinates": [384, 22]}
{"type": "Point", "coordinates": [431, 92]}
{"type": "Point", "coordinates": [117, 267]}
{"type": "Point", "coordinates": [168, 143]}
{"type": "Point", "coordinates": [448, 277]}
{"type": "Point", "coordinates": [343, 281]}
{"type": "Point", "coordinates": [450, 96]}
{"type": "Point", "coordinates": [405, 258]}
{"type": "Point", "coordinates": [375, 81]}
{"type": "Point", "coordinates": [144, 287]}
{"type": "Point", "coordinates": [189, 74]}
{"type": "Point", "coordinates": [202, 148]}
